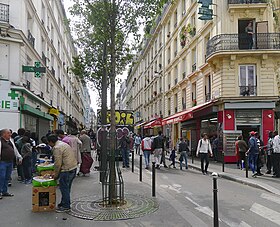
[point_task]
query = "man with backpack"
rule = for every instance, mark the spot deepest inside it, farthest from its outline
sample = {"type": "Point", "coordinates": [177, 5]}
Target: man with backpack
{"type": "Point", "coordinates": [203, 148]}
{"type": "Point", "coordinates": [158, 146]}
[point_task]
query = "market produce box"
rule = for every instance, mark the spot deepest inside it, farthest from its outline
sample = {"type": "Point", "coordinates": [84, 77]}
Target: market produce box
{"type": "Point", "coordinates": [44, 172]}
{"type": "Point", "coordinates": [45, 167]}
{"type": "Point", "coordinates": [43, 199]}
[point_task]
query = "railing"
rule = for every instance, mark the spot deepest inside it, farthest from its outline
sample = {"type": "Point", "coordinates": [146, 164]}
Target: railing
{"type": "Point", "coordinates": [4, 12]}
{"type": "Point", "coordinates": [246, 1]}
{"type": "Point", "coordinates": [248, 90]}
{"type": "Point", "coordinates": [231, 42]}
{"type": "Point", "coordinates": [207, 97]}
{"type": "Point", "coordinates": [31, 39]}
{"type": "Point", "coordinates": [193, 67]}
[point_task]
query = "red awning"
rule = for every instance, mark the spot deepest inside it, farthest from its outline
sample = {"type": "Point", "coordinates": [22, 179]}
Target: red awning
{"type": "Point", "coordinates": [139, 125]}
{"type": "Point", "coordinates": [154, 123]}
{"type": "Point", "coordinates": [183, 115]}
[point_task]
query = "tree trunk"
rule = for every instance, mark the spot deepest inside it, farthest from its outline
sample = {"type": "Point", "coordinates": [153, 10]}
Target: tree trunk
{"type": "Point", "coordinates": [103, 154]}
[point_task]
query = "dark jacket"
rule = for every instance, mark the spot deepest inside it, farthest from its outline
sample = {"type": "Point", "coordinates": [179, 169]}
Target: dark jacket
{"type": "Point", "coordinates": [242, 146]}
{"type": "Point", "coordinates": [254, 149]}
{"type": "Point", "coordinates": [183, 146]}
{"type": "Point", "coordinates": [158, 142]}
{"type": "Point", "coordinates": [125, 142]}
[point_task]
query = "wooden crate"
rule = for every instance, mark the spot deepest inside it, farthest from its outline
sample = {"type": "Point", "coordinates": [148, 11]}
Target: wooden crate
{"type": "Point", "coordinates": [43, 199]}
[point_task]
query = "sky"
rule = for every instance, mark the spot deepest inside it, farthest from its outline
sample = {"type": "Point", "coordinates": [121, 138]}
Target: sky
{"type": "Point", "coordinates": [93, 94]}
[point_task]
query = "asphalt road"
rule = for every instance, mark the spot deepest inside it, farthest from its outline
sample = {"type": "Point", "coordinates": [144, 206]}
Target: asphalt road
{"type": "Point", "coordinates": [185, 199]}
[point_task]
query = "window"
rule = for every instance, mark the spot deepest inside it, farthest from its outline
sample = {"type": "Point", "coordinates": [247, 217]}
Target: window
{"type": "Point", "coordinates": [184, 93]}
{"type": "Point", "coordinates": [247, 80]}
{"type": "Point", "coordinates": [169, 106]}
{"type": "Point", "coordinates": [183, 7]}
{"type": "Point", "coordinates": [176, 103]}
{"type": "Point", "coordinates": [193, 59]}
{"type": "Point", "coordinates": [48, 85]}
{"type": "Point", "coordinates": [194, 94]}
{"type": "Point", "coordinates": [175, 18]}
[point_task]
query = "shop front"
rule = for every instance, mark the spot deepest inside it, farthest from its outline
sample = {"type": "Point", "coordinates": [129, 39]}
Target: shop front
{"type": "Point", "coordinates": [55, 113]}
{"type": "Point", "coordinates": [153, 127]}
{"type": "Point", "coordinates": [71, 125]}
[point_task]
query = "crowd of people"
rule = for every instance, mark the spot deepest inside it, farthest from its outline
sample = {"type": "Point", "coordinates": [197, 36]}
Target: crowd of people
{"type": "Point", "coordinates": [258, 154]}
{"type": "Point", "coordinates": [70, 153]}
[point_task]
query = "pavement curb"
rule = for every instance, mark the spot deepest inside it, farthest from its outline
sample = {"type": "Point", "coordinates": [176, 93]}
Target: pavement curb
{"type": "Point", "coordinates": [240, 180]}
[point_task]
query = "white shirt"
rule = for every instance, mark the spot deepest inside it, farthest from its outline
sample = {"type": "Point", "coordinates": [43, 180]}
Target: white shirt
{"type": "Point", "coordinates": [203, 146]}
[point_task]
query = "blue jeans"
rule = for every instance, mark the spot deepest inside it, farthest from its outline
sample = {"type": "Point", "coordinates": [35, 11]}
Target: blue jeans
{"type": "Point", "coordinates": [253, 162]}
{"type": "Point", "coordinates": [183, 157]}
{"type": "Point", "coordinates": [65, 183]}
{"type": "Point", "coordinates": [5, 175]}
{"type": "Point", "coordinates": [125, 156]}
{"type": "Point", "coordinates": [147, 158]}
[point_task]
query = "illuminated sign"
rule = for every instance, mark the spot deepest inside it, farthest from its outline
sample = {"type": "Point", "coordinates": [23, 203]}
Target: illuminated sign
{"type": "Point", "coordinates": [123, 117]}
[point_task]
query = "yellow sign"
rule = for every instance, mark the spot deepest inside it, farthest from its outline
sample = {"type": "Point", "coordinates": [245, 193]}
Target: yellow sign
{"type": "Point", "coordinates": [123, 117]}
{"type": "Point", "coordinates": [54, 111]}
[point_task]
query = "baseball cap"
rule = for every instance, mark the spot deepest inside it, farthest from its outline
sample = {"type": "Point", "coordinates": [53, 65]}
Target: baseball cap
{"type": "Point", "coordinates": [252, 133]}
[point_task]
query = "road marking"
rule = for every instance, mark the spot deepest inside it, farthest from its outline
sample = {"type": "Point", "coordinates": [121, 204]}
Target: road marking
{"type": "Point", "coordinates": [270, 197]}
{"type": "Point", "coordinates": [243, 224]}
{"type": "Point", "coordinates": [205, 210]}
{"type": "Point", "coordinates": [266, 213]}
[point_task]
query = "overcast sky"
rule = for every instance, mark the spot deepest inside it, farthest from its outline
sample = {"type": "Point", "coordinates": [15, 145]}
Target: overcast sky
{"type": "Point", "coordinates": [93, 94]}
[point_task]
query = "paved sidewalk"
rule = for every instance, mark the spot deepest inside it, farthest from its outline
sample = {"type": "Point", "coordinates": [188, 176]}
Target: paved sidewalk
{"type": "Point", "coordinates": [265, 182]}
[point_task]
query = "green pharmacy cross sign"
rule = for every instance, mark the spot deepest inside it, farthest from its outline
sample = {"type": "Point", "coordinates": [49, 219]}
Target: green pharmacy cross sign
{"type": "Point", "coordinates": [37, 69]}
{"type": "Point", "coordinates": [204, 11]}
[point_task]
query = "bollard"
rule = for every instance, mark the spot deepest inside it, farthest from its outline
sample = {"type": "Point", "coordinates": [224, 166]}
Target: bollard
{"type": "Point", "coordinates": [193, 153]}
{"type": "Point", "coordinates": [132, 161]}
{"type": "Point", "coordinates": [215, 199]}
{"type": "Point", "coordinates": [140, 169]}
{"type": "Point", "coordinates": [246, 165]}
{"type": "Point", "coordinates": [223, 161]}
{"type": "Point", "coordinates": [154, 179]}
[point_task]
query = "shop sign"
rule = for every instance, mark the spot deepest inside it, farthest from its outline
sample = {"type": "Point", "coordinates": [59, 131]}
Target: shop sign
{"type": "Point", "coordinates": [9, 100]}
{"type": "Point", "coordinates": [204, 11]}
{"type": "Point", "coordinates": [54, 111]}
{"type": "Point", "coordinates": [61, 120]}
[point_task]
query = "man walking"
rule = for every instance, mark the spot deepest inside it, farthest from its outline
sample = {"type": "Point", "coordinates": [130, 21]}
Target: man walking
{"type": "Point", "coordinates": [65, 166]}
{"type": "Point", "coordinates": [158, 146]}
{"type": "Point", "coordinates": [125, 148]}
{"type": "Point", "coordinates": [276, 154]}
{"type": "Point", "coordinates": [147, 148]}
{"type": "Point", "coordinates": [203, 147]}
{"type": "Point", "coordinates": [183, 149]}
{"type": "Point", "coordinates": [242, 146]}
{"type": "Point", "coordinates": [8, 152]}
{"type": "Point", "coordinates": [137, 142]}
{"type": "Point", "coordinates": [253, 153]}
{"type": "Point", "coordinates": [269, 151]}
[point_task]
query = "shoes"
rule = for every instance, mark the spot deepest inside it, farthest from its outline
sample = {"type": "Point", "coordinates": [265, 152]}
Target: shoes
{"type": "Point", "coordinates": [147, 167]}
{"type": "Point", "coordinates": [254, 175]}
{"type": "Point", "coordinates": [259, 174]}
{"type": "Point", "coordinates": [123, 166]}
{"type": "Point", "coordinates": [9, 184]}
{"type": "Point", "coordinates": [7, 194]}
{"type": "Point", "coordinates": [268, 172]}
{"type": "Point", "coordinates": [187, 167]}
{"type": "Point", "coordinates": [203, 173]}
{"type": "Point", "coordinates": [275, 176]}
{"type": "Point", "coordinates": [158, 167]}
{"type": "Point", "coordinates": [61, 209]}
{"type": "Point", "coordinates": [27, 181]}
{"type": "Point", "coordinates": [1, 197]}
{"type": "Point", "coordinates": [165, 166]}
{"type": "Point", "coordinates": [174, 167]}
{"type": "Point", "coordinates": [127, 167]}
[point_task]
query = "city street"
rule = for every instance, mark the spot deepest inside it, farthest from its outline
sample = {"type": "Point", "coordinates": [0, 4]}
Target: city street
{"type": "Point", "coordinates": [185, 199]}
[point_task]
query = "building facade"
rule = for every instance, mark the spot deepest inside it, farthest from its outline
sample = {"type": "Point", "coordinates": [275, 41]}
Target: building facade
{"type": "Point", "coordinates": [35, 37]}
{"type": "Point", "coordinates": [215, 76]}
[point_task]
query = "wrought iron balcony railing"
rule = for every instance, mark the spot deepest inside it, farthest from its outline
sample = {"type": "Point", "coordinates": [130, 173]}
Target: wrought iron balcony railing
{"type": "Point", "coordinates": [207, 97]}
{"type": "Point", "coordinates": [232, 42]}
{"type": "Point", "coordinates": [248, 90]}
{"type": "Point", "coordinates": [4, 12]}
{"type": "Point", "coordinates": [31, 39]}
{"type": "Point", "coordinates": [246, 1]}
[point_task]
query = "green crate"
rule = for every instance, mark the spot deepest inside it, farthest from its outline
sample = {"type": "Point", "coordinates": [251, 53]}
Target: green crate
{"type": "Point", "coordinates": [44, 184]}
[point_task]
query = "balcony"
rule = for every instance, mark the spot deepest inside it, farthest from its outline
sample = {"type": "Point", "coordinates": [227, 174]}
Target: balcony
{"type": "Point", "coordinates": [31, 39]}
{"type": "Point", "coordinates": [207, 97]}
{"type": "Point", "coordinates": [241, 42]}
{"type": "Point", "coordinates": [248, 90]}
{"type": "Point", "coordinates": [246, 1]}
{"type": "Point", "coordinates": [4, 13]}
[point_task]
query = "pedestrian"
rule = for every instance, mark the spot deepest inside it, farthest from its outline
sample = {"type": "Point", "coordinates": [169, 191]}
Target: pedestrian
{"type": "Point", "coordinates": [85, 153]}
{"type": "Point", "coordinates": [172, 158]}
{"type": "Point", "coordinates": [242, 147]}
{"type": "Point", "coordinates": [203, 150]}
{"type": "Point", "coordinates": [158, 146]}
{"type": "Point", "coordinates": [276, 154]}
{"type": "Point", "coordinates": [269, 152]}
{"type": "Point", "coordinates": [253, 153]}
{"type": "Point", "coordinates": [215, 147]}
{"type": "Point", "coordinates": [18, 143]}
{"type": "Point", "coordinates": [125, 148]}
{"type": "Point", "coordinates": [183, 150]}
{"type": "Point", "coordinates": [26, 152]}
{"type": "Point", "coordinates": [260, 161]}
{"type": "Point", "coordinates": [146, 146]}
{"type": "Point", "coordinates": [8, 152]}
{"type": "Point", "coordinates": [65, 167]}
{"type": "Point", "coordinates": [137, 142]}
{"type": "Point", "coordinates": [250, 32]}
